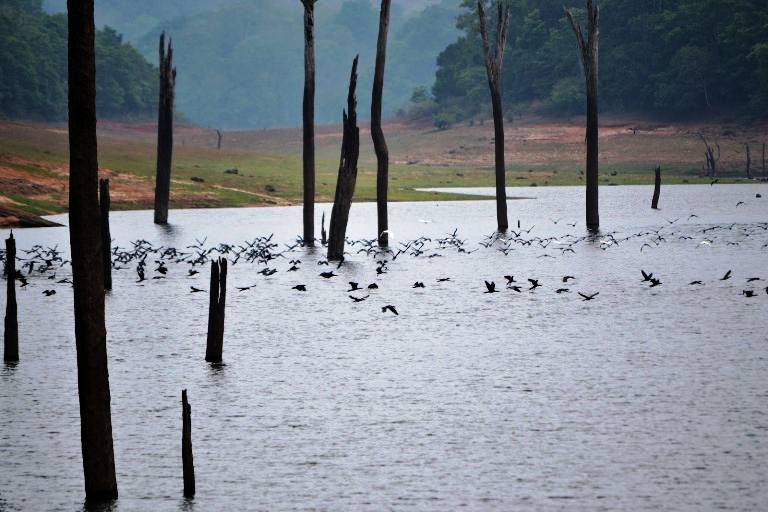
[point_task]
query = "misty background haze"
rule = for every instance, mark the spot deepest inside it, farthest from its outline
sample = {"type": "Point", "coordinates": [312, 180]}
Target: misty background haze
{"type": "Point", "coordinates": [241, 64]}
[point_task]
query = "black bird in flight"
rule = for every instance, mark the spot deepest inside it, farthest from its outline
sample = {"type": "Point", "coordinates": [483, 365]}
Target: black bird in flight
{"type": "Point", "coordinates": [192, 272]}
{"type": "Point", "coordinates": [589, 297]}
{"type": "Point", "coordinates": [244, 288]}
{"type": "Point", "coordinates": [356, 299]}
{"type": "Point", "coordinates": [322, 262]}
{"type": "Point", "coordinates": [713, 182]}
{"type": "Point", "coordinates": [48, 293]}
{"type": "Point", "coordinates": [353, 286]}
{"type": "Point", "coordinates": [562, 290]}
{"type": "Point", "coordinates": [192, 289]}
{"type": "Point", "coordinates": [491, 287]}
{"type": "Point", "coordinates": [726, 277]}
{"type": "Point", "coordinates": [510, 279]}
{"type": "Point", "coordinates": [739, 203]}
{"type": "Point", "coordinates": [293, 268]}
{"type": "Point", "coordinates": [646, 276]}
{"type": "Point", "coordinates": [655, 282]}
{"type": "Point", "coordinates": [390, 308]}
{"type": "Point", "coordinates": [327, 275]}
{"type": "Point", "coordinates": [753, 279]}
{"type": "Point", "coordinates": [418, 284]}
{"type": "Point", "coordinates": [534, 284]}
{"type": "Point", "coordinates": [300, 287]}
{"type": "Point", "coordinates": [443, 279]}
{"type": "Point", "coordinates": [692, 283]}
{"type": "Point", "coordinates": [516, 289]}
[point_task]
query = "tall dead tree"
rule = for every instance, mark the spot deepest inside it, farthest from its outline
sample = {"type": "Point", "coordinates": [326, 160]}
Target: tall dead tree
{"type": "Point", "coordinates": [164, 131]}
{"type": "Point", "coordinates": [308, 111]}
{"type": "Point", "coordinates": [87, 273]}
{"type": "Point", "coordinates": [493, 67]}
{"type": "Point", "coordinates": [11, 332]}
{"type": "Point", "coordinates": [749, 160]}
{"type": "Point", "coordinates": [764, 172]}
{"type": "Point", "coordinates": [656, 188]}
{"type": "Point", "coordinates": [218, 139]}
{"type": "Point", "coordinates": [187, 461]}
{"type": "Point", "coordinates": [345, 184]}
{"type": "Point", "coordinates": [377, 134]}
{"type": "Point", "coordinates": [588, 51]}
{"type": "Point", "coordinates": [711, 156]}
{"type": "Point", "coordinates": [218, 294]}
{"type": "Point", "coordinates": [106, 237]}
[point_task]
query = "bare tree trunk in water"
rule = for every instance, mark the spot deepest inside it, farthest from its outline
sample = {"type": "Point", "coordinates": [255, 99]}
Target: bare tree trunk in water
{"type": "Point", "coordinates": [656, 189]}
{"type": "Point", "coordinates": [164, 132]}
{"type": "Point", "coordinates": [106, 236]}
{"type": "Point", "coordinates": [11, 332]}
{"type": "Point", "coordinates": [749, 161]}
{"type": "Point", "coordinates": [218, 293]}
{"type": "Point", "coordinates": [87, 270]}
{"type": "Point", "coordinates": [187, 461]}
{"type": "Point", "coordinates": [218, 139]}
{"type": "Point", "coordinates": [764, 174]}
{"type": "Point", "coordinates": [493, 67]}
{"type": "Point", "coordinates": [345, 184]}
{"type": "Point", "coordinates": [309, 122]}
{"type": "Point", "coordinates": [377, 134]}
{"type": "Point", "coordinates": [588, 50]}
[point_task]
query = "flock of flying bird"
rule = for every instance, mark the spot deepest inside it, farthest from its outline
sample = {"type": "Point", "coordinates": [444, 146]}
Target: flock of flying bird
{"type": "Point", "coordinates": [264, 251]}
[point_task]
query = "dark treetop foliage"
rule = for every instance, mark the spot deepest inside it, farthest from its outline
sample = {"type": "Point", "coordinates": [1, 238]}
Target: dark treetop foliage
{"type": "Point", "coordinates": [657, 57]}
{"type": "Point", "coordinates": [33, 68]}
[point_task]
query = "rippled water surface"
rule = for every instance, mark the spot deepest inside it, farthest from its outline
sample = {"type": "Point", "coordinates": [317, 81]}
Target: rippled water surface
{"type": "Point", "coordinates": [642, 399]}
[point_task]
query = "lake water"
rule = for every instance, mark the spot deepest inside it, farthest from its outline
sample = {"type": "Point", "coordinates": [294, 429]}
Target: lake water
{"type": "Point", "coordinates": [642, 399]}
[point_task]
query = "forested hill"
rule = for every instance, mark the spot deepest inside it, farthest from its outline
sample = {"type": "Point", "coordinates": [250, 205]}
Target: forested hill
{"type": "Point", "coordinates": [33, 68]}
{"type": "Point", "coordinates": [658, 58]}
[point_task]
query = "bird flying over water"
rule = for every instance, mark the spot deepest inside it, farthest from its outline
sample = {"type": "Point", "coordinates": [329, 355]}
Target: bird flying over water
{"type": "Point", "coordinates": [490, 287]}
{"type": "Point", "coordinates": [589, 297]}
{"type": "Point", "coordinates": [328, 275]}
{"type": "Point", "coordinates": [389, 308]}
{"type": "Point", "coordinates": [726, 277]}
{"type": "Point", "coordinates": [192, 289]}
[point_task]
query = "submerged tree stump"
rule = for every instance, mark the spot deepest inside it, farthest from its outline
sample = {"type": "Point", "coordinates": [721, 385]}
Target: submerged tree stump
{"type": "Point", "coordinates": [588, 51]}
{"type": "Point", "coordinates": [106, 237]}
{"type": "Point", "coordinates": [87, 273]}
{"type": "Point", "coordinates": [377, 133]}
{"type": "Point", "coordinates": [345, 184]}
{"type": "Point", "coordinates": [164, 132]}
{"type": "Point", "coordinates": [187, 460]}
{"type": "Point", "coordinates": [656, 189]}
{"type": "Point", "coordinates": [323, 234]}
{"type": "Point", "coordinates": [11, 332]}
{"type": "Point", "coordinates": [218, 293]}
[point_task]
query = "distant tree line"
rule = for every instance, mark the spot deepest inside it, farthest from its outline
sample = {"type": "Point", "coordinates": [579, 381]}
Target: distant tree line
{"type": "Point", "coordinates": [659, 58]}
{"type": "Point", "coordinates": [33, 68]}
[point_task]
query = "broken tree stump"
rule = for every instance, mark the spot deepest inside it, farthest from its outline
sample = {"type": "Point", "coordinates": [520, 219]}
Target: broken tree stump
{"type": "Point", "coordinates": [11, 333]}
{"type": "Point", "coordinates": [218, 139]}
{"type": "Point", "coordinates": [323, 234]}
{"type": "Point", "coordinates": [218, 292]}
{"type": "Point", "coordinates": [308, 115]}
{"type": "Point", "coordinates": [656, 189]}
{"type": "Point", "coordinates": [187, 461]}
{"type": "Point", "coordinates": [345, 184]}
{"type": "Point", "coordinates": [377, 133]}
{"type": "Point", "coordinates": [87, 275]}
{"type": "Point", "coordinates": [164, 132]}
{"type": "Point", "coordinates": [749, 161]}
{"type": "Point", "coordinates": [106, 237]}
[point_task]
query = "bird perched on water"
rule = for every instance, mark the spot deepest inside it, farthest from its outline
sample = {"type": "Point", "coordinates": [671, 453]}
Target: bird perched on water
{"type": "Point", "coordinates": [418, 284]}
{"type": "Point", "coordinates": [48, 293]}
{"type": "Point", "coordinates": [726, 277]}
{"type": "Point", "coordinates": [300, 287]}
{"type": "Point", "coordinates": [192, 289]}
{"type": "Point", "coordinates": [562, 290]}
{"type": "Point", "coordinates": [589, 297]}
{"type": "Point", "coordinates": [443, 279]}
{"type": "Point", "coordinates": [373, 286]}
{"type": "Point", "coordinates": [490, 287]}
{"type": "Point", "coordinates": [353, 286]}
{"type": "Point", "coordinates": [192, 272]}
{"type": "Point", "coordinates": [327, 275]}
{"type": "Point", "coordinates": [389, 308]}
{"type": "Point", "coordinates": [566, 278]}
{"type": "Point", "coordinates": [748, 293]}
{"type": "Point", "coordinates": [358, 299]}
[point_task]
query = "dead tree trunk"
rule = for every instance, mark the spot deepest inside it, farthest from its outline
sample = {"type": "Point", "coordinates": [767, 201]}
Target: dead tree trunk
{"type": "Point", "coordinates": [588, 50]}
{"type": "Point", "coordinates": [493, 68]}
{"type": "Point", "coordinates": [218, 139]}
{"type": "Point", "coordinates": [187, 461]}
{"type": "Point", "coordinates": [764, 172]}
{"type": "Point", "coordinates": [11, 333]}
{"type": "Point", "coordinates": [308, 108]}
{"type": "Point", "coordinates": [215, 343]}
{"type": "Point", "coordinates": [106, 237]}
{"type": "Point", "coordinates": [87, 274]}
{"type": "Point", "coordinates": [377, 134]}
{"type": "Point", "coordinates": [164, 132]}
{"type": "Point", "coordinates": [710, 156]}
{"type": "Point", "coordinates": [749, 161]}
{"type": "Point", "coordinates": [345, 184]}
{"type": "Point", "coordinates": [656, 189]}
